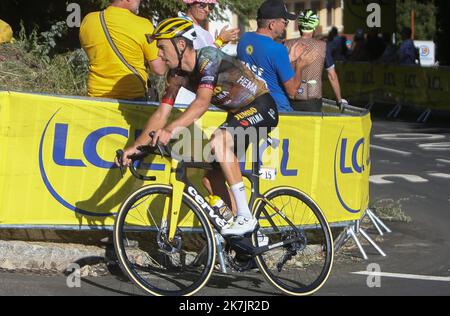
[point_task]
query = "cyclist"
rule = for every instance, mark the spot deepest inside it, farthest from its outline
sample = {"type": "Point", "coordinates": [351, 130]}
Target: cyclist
{"type": "Point", "coordinates": [309, 96]}
{"type": "Point", "coordinates": [217, 79]}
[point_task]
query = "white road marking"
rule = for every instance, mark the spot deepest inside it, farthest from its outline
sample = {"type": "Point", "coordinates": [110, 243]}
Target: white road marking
{"type": "Point", "coordinates": [440, 175]}
{"type": "Point", "coordinates": [409, 137]}
{"type": "Point", "coordinates": [436, 146]}
{"type": "Point", "coordinates": [380, 179]}
{"type": "Point", "coordinates": [395, 151]}
{"type": "Point", "coordinates": [404, 276]}
{"type": "Point", "coordinates": [443, 160]}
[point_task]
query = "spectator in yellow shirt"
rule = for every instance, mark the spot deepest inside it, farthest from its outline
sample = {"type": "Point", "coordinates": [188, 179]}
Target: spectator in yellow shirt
{"type": "Point", "coordinates": [6, 34]}
{"type": "Point", "coordinates": [109, 77]}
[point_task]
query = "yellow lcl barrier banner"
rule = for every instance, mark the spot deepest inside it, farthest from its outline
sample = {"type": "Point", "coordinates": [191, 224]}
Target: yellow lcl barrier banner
{"type": "Point", "coordinates": [424, 87]}
{"type": "Point", "coordinates": [56, 165]}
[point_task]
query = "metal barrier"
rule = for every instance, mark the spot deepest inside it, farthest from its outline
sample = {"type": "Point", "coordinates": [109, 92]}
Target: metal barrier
{"type": "Point", "coordinates": [367, 84]}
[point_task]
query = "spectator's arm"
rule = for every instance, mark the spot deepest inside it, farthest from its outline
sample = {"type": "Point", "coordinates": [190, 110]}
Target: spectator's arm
{"type": "Point", "coordinates": [334, 81]}
{"type": "Point", "coordinates": [158, 67]}
{"type": "Point", "coordinates": [292, 86]}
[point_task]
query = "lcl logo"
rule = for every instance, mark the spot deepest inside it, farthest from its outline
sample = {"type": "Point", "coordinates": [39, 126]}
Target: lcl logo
{"type": "Point", "coordinates": [345, 167]}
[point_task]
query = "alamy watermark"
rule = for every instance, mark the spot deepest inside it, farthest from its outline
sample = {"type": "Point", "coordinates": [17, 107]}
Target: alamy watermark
{"type": "Point", "coordinates": [74, 17]}
{"type": "Point", "coordinates": [374, 18]}
{"type": "Point", "coordinates": [227, 143]}
{"type": "Point", "coordinates": [73, 276]}
{"type": "Point", "coordinates": [374, 277]}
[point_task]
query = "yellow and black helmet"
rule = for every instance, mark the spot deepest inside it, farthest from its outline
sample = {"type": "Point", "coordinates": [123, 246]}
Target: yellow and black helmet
{"type": "Point", "coordinates": [172, 28]}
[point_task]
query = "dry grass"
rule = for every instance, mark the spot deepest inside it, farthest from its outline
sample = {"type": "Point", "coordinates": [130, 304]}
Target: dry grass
{"type": "Point", "coordinates": [22, 70]}
{"type": "Point", "coordinates": [390, 210]}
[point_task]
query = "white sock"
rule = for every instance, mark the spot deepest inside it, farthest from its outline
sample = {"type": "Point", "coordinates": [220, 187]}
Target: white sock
{"type": "Point", "coordinates": [241, 200]}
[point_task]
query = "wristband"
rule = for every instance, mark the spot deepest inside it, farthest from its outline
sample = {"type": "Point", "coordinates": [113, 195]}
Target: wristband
{"type": "Point", "coordinates": [219, 42]}
{"type": "Point", "coordinates": [169, 101]}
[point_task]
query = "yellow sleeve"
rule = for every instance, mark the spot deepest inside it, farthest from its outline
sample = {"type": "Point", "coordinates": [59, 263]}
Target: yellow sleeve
{"type": "Point", "coordinates": [150, 50]}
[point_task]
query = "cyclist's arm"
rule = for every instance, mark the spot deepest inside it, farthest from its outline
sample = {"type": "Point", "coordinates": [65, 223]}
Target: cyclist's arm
{"type": "Point", "coordinates": [157, 121]}
{"type": "Point", "coordinates": [197, 108]}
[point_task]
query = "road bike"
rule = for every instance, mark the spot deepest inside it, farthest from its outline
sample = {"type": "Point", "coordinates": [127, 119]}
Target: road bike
{"type": "Point", "coordinates": [167, 237]}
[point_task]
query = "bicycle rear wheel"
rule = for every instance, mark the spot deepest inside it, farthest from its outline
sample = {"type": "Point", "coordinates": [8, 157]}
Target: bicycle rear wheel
{"type": "Point", "coordinates": [152, 262]}
{"type": "Point", "coordinates": [301, 267]}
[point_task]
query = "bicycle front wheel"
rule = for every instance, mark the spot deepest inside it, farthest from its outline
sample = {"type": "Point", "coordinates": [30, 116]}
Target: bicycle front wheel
{"type": "Point", "coordinates": [154, 263]}
{"type": "Point", "coordinates": [300, 267]}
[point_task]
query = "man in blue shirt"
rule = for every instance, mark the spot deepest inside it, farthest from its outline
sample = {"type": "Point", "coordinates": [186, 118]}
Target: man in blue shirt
{"type": "Point", "coordinates": [271, 60]}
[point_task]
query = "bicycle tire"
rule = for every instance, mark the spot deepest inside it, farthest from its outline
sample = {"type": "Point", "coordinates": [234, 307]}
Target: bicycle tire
{"type": "Point", "coordinates": [264, 264]}
{"type": "Point", "coordinates": [129, 268]}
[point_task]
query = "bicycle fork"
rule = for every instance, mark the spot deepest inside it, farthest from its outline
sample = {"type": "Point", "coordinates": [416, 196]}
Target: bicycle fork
{"type": "Point", "coordinates": [172, 209]}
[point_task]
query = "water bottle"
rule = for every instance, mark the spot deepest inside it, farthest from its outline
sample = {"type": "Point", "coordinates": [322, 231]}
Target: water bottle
{"type": "Point", "coordinates": [221, 208]}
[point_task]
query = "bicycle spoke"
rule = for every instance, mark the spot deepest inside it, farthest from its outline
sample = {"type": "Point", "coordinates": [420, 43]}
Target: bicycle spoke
{"type": "Point", "coordinates": [156, 264]}
{"type": "Point", "coordinates": [301, 266]}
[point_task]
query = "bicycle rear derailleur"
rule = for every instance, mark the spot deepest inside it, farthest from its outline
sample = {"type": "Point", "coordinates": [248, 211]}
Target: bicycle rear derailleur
{"type": "Point", "coordinates": [292, 249]}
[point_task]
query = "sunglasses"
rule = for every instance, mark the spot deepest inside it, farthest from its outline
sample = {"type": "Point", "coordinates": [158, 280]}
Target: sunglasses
{"type": "Point", "coordinates": [284, 21]}
{"type": "Point", "coordinates": [202, 5]}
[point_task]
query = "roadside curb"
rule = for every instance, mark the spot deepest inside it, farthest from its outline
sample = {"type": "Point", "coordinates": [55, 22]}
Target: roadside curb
{"type": "Point", "coordinates": [39, 256]}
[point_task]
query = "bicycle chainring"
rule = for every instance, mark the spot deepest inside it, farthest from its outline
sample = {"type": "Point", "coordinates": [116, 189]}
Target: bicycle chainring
{"type": "Point", "coordinates": [237, 261]}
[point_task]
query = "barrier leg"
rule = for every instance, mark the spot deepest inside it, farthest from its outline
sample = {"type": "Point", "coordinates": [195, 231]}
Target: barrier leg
{"type": "Point", "coordinates": [352, 232]}
{"type": "Point", "coordinates": [358, 243]}
{"type": "Point", "coordinates": [395, 111]}
{"type": "Point", "coordinates": [423, 118]}
{"type": "Point", "coordinates": [375, 223]}
{"type": "Point", "coordinates": [379, 221]}
{"type": "Point", "coordinates": [366, 236]}
{"type": "Point", "coordinates": [341, 240]}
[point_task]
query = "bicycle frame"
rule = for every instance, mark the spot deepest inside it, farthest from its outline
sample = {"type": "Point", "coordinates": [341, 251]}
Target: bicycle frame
{"type": "Point", "coordinates": [180, 184]}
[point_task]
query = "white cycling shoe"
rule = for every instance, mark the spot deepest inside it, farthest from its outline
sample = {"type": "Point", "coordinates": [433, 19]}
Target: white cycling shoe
{"type": "Point", "coordinates": [240, 227]}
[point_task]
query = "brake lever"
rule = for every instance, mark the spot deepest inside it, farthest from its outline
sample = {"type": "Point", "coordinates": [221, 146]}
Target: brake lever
{"type": "Point", "coordinates": [160, 148]}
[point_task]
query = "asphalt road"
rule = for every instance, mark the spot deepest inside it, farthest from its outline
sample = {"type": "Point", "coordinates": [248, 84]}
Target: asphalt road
{"type": "Point", "coordinates": [410, 168]}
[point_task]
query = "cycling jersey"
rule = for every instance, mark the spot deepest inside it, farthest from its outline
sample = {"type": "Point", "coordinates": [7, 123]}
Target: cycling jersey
{"type": "Point", "coordinates": [234, 85]}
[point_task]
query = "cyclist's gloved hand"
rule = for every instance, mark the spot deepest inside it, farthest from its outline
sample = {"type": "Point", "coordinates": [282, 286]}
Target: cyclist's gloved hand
{"type": "Point", "coordinates": [162, 137]}
{"type": "Point", "coordinates": [127, 153]}
{"type": "Point", "coordinates": [342, 104]}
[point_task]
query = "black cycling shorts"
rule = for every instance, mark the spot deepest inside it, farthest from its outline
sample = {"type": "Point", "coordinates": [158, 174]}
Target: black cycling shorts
{"type": "Point", "coordinates": [261, 115]}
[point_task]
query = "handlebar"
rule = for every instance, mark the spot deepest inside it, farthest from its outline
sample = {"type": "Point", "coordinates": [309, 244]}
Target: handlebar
{"type": "Point", "coordinates": [164, 151]}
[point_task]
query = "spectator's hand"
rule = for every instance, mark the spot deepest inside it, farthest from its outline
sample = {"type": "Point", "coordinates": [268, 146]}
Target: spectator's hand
{"type": "Point", "coordinates": [127, 152]}
{"type": "Point", "coordinates": [307, 57]}
{"type": "Point", "coordinates": [295, 51]}
{"type": "Point", "coordinates": [228, 35]}
{"type": "Point", "coordinates": [342, 104]}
